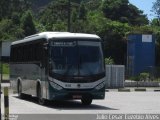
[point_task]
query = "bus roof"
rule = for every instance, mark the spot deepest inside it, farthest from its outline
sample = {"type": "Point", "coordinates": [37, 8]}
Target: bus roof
{"type": "Point", "coordinates": [49, 35]}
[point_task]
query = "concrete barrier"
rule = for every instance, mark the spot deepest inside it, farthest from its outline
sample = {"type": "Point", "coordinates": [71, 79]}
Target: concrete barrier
{"type": "Point", "coordinates": [140, 89]}
{"type": "Point", "coordinates": [123, 90]}
{"type": "Point", "coordinates": [156, 90]}
{"type": "Point", "coordinates": [142, 84]}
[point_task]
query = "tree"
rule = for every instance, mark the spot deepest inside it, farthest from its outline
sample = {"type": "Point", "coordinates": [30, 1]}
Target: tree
{"type": "Point", "coordinates": [5, 10]}
{"type": "Point", "coordinates": [123, 11]}
{"type": "Point", "coordinates": [53, 14]}
{"type": "Point", "coordinates": [155, 22]}
{"type": "Point", "coordinates": [8, 7]}
{"type": "Point", "coordinates": [28, 24]}
{"type": "Point", "coordinates": [9, 30]}
{"type": "Point", "coordinates": [94, 5]}
{"type": "Point", "coordinates": [113, 34]}
{"type": "Point", "coordinates": [74, 15]}
{"type": "Point", "coordinates": [15, 18]}
{"type": "Point", "coordinates": [156, 8]}
{"type": "Point", "coordinates": [82, 11]}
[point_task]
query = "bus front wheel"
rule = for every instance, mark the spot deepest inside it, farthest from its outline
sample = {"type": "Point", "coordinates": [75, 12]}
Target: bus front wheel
{"type": "Point", "coordinates": [86, 100]}
{"type": "Point", "coordinates": [41, 100]}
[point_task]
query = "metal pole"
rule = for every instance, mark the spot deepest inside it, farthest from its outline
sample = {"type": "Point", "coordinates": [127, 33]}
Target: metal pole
{"type": "Point", "coordinates": [69, 15]}
{"type": "Point", "coordinates": [6, 99]}
{"type": "Point", "coordinates": [0, 82]}
{"type": "Point", "coordinates": [6, 103]}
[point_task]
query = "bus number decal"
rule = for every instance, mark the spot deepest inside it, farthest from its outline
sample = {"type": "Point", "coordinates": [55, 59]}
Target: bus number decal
{"type": "Point", "coordinates": [68, 85]}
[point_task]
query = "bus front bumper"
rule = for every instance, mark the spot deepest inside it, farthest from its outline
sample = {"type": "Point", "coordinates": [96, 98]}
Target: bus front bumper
{"type": "Point", "coordinates": [66, 94]}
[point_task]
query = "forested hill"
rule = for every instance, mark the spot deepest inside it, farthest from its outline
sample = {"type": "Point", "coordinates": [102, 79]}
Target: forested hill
{"type": "Point", "coordinates": [112, 20]}
{"type": "Point", "coordinates": [39, 3]}
{"type": "Point", "coordinates": [42, 3]}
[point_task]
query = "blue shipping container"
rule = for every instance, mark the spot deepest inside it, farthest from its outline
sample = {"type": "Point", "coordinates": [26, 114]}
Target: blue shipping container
{"type": "Point", "coordinates": [140, 53]}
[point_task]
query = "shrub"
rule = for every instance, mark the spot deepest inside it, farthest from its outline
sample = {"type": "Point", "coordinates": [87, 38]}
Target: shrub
{"type": "Point", "coordinates": [109, 61]}
{"type": "Point", "coordinates": [144, 76]}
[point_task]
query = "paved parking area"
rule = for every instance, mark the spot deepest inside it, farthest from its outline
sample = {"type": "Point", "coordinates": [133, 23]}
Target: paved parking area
{"type": "Point", "coordinates": [114, 102]}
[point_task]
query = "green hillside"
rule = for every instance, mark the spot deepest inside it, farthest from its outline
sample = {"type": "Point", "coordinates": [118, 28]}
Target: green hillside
{"type": "Point", "coordinates": [112, 20]}
{"type": "Point", "coordinates": [41, 3]}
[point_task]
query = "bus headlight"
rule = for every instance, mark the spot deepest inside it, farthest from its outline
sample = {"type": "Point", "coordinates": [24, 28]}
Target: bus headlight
{"type": "Point", "coordinates": [100, 86]}
{"type": "Point", "coordinates": [55, 86]}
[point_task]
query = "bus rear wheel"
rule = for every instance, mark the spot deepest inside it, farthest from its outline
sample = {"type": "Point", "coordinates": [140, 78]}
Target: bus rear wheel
{"type": "Point", "coordinates": [86, 100]}
{"type": "Point", "coordinates": [41, 100]}
{"type": "Point", "coordinates": [20, 94]}
{"type": "Point", "coordinates": [19, 90]}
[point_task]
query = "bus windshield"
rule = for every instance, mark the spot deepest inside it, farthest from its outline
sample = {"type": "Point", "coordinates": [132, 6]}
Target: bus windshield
{"type": "Point", "coordinates": [78, 58]}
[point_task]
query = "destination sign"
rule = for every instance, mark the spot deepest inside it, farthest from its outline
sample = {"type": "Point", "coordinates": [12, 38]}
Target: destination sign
{"type": "Point", "coordinates": [63, 43]}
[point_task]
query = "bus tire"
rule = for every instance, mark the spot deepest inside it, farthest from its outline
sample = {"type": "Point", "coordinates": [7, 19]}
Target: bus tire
{"type": "Point", "coordinates": [86, 100]}
{"type": "Point", "coordinates": [41, 100]}
{"type": "Point", "coordinates": [19, 90]}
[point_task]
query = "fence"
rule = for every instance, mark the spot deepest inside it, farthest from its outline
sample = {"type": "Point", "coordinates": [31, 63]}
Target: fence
{"type": "Point", "coordinates": [115, 75]}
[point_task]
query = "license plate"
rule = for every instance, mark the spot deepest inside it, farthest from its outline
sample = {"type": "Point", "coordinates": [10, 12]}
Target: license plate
{"type": "Point", "coordinates": [77, 96]}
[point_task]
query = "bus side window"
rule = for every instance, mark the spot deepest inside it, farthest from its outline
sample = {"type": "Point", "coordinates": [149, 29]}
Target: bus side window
{"type": "Point", "coordinates": [16, 54]}
{"type": "Point", "coordinates": [20, 54]}
{"type": "Point", "coordinates": [32, 53]}
{"type": "Point", "coordinates": [22, 57]}
{"type": "Point", "coordinates": [11, 54]}
{"type": "Point", "coordinates": [25, 53]}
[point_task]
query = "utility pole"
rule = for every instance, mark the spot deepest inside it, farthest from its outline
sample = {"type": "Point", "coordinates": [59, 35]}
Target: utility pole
{"type": "Point", "coordinates": [69, 15]}
{"type": "Point", "coordinates": [0, 77]}
{"type": "Point", "coordinates": [4, 58]}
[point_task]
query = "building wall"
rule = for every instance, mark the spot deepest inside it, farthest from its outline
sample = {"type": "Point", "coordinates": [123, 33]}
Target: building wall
{"type": "Point", "coordinates": [140, 53]}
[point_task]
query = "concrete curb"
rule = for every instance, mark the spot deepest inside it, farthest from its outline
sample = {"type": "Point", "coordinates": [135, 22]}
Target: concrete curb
{"type": "Point", "coordinates": [156, 90]}
{"type": "Point", "coordinates": [106, 90]}
{"type": "Point", "coordinates": [124, 90]}
{"type": "Point", "coordinates": [139, 89]}
{"type": "Point", "coordinates": [132, 90]}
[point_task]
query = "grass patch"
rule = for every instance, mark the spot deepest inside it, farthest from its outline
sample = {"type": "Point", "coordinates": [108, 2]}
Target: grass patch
{"type": "Point", "coordinates": [5, 76]}
{"type": "Point", "coordinates": [5, 68]}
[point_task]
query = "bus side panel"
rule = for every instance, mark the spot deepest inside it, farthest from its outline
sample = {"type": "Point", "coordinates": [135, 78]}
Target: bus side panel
{"type": "Point", "coordinates": [33, 72]}
{"type": "Point", "coordinates": [13, 78]}
{"type": "Point", "coordinates": [29, 74]}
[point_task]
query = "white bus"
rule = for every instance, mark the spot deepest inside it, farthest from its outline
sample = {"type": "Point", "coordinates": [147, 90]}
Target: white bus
{"type": "Point", "coordinates": [58, 66]}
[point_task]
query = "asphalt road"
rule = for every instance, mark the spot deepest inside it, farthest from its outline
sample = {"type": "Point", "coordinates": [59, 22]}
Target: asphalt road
{"type": "Point", "coordinates": [114, 103]}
